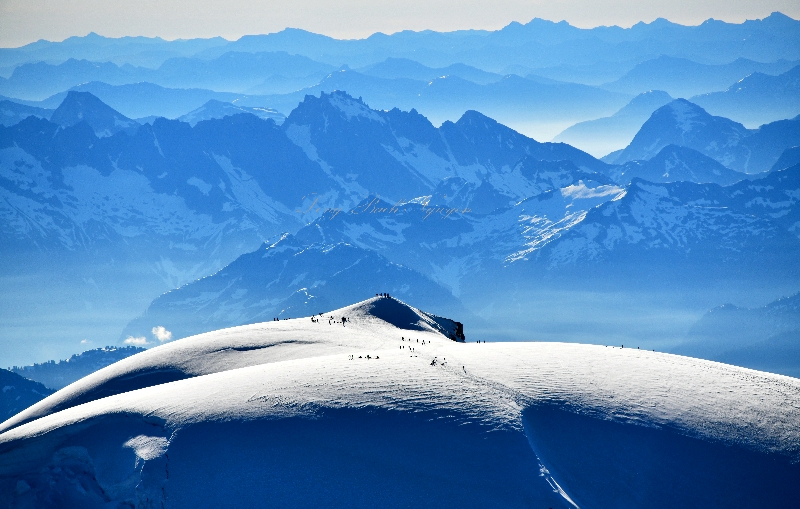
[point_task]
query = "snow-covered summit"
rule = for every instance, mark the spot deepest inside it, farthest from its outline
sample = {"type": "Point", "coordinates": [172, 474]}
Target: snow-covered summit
{"type": "Point", "coordinates": [321, 411]}
{"type": "Point", "coordinates": [243, 346]}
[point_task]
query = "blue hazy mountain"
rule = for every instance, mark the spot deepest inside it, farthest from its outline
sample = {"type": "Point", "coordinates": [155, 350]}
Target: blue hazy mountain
{"type": "Point", "coordinates": [18, 393]}
{"type": "Point", "coordinates": [629, 247]}
{"type": "Point", "coordinates": [237, 72]}
{"type": "Point", "coordinates": [79, 107]}
{"type": "Point", "coordinates": [674, 163]}
{"type": "Point", "coordinates": [544, 223]}
{"type": "Point", "coordinates": [219, 109]}
{"type": "Point", "coordinates": [12, 112]}
{"type": "Point", "coordinates": [766, 338]}
{"type": "Point", "coordinates": [286, 279]}
{"type": "Point", "coordinates": [133, 216]}
{"type": "Point", "coordinates": [685, 124]}
{"type": "Point", "coordinates": [542, 44]}
{"type": "Point", "coordinates": [39, 80]}
{"type": "Point", "coordinates": [230, 72]}
{"type": "Point", "coordinates": [789, 157]}
{"type": "Point", "coordinates": [405, 68]}
{"type": "Point", "coordinates": [534, 45]}
{"type": "Point", "coordinates": [757, 99]}
{"type": "Point", "coordinates": [592, 73]}
{"type": "Point", "coordinates": [681, 77]}
{"type": "Point", "coordinates": [137, 51]}
{"type": "Point", "coordinates": [139, 100]}
{"type": "Point", "coordinates": [604, 135]}
{"type": "Point", "coordinates": [55, 375]}
{"type": "Point", "coordinates": [400, 155]}
{"type": "Point", "coordinates": [103, 225]}
{"type": "Point", "coordinates": [521, 103]}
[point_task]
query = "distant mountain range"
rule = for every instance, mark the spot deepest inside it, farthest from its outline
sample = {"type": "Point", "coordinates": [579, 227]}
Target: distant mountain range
{"type": "Point", "coordinates": [218, 109]}
{"type": "Point", "coordinates": [678, 164]}
{"type": "Point", "coordinates": [230, 72]}
{"type": "Point", "coordinates": [12, 112]}
{"type": "Point", "coordinates": [764, 338]}
{"type": "Point", "coordinates": [539, 78]}
{"type": "Point", "coordinates": [757, 99]}
{"type": "Point", "coordinates": [686, 124]}
{"type": "Point", "coordinates": [568, 238]}
{"type": "Point", "coordinates": [55, 375]}
{"type": "Point", "coordinates": [133, 216]}
{"type": "Point", "coordinates": [684, 78]}
{"type": "Point", "coordinates": [471, 213]}
{"type": "Point", "coordinates": [537, 44]}
{"type": "Point", "coordinates": [605, 135]}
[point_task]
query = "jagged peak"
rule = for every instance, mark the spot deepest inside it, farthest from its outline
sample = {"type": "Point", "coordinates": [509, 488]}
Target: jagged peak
{"type": "Point", "coordinates": [349, 107]}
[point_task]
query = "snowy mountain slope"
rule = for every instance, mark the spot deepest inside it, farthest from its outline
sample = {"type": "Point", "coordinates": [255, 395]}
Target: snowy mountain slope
{"type": "Point", "coordinates": [207, 353]}
{"type": "Point", "coordinates": [605, 135]}
{"type": "Point", "coordinates": [678, 164]}
{"type": "Point", "coordinates": [230, 72]}
{"type": "Point", "coordinates": [705, 222]}
{"type": "Point", "coordinates": [685, 124]}
{"type": "Point", "coordinates": [310, 419]}
{"type": "Point", "coordinates": [18, 393]}
{"type": "Point", "coordinates": [57, 375]}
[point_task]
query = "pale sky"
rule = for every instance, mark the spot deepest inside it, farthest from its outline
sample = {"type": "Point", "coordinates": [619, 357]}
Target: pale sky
{"type": "Point", "coordinates": [24, 21]}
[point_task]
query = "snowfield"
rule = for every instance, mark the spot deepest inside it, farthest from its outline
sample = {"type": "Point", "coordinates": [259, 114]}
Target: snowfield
{"type": "Point", "coordinates": [387, 410]}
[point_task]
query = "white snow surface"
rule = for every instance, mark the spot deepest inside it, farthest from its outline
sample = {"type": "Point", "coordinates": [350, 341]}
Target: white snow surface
{"type": "Point", "coordinates": [230, 367]}
{"type": "Point", "coordinates": [296, 368]}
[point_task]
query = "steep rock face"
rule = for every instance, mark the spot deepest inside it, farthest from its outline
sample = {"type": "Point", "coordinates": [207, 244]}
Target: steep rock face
{"type": "Point", "coordinates": [400, 155]}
